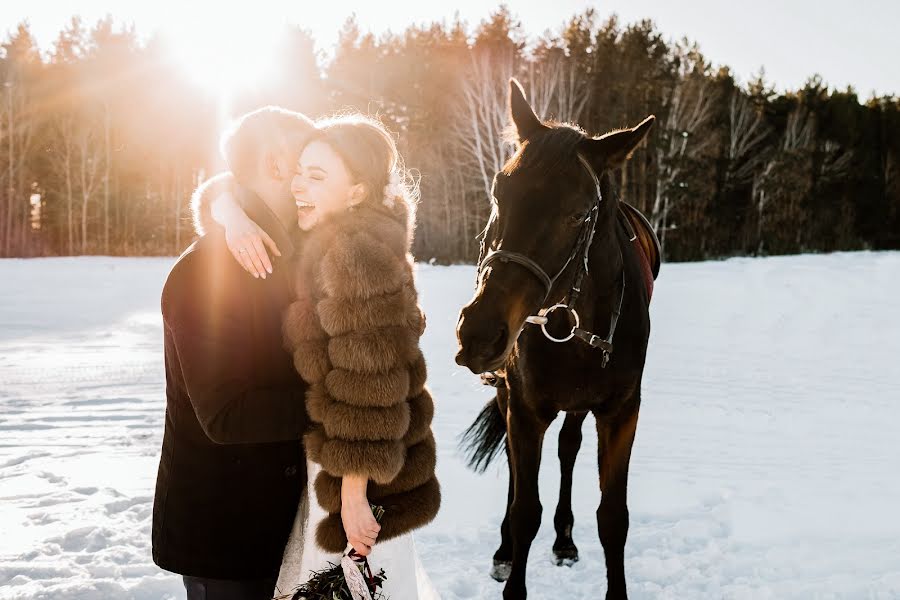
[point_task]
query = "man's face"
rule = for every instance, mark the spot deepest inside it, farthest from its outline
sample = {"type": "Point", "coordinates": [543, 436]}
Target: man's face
{"type": "Point", "coordinates": [275, 182]}
{"type": "Point", "coordinates": [287, 159]}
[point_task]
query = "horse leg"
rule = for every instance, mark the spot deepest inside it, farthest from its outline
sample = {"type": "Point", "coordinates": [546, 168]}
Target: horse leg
{"type": "Point", "coordinates": [525, 432]}
{"type": "Point", "coordinates": [616, 438]}
{"type": "Point", "coordinates": [564, 550]}
{"type": "Point", "coordinates": [503, 555]}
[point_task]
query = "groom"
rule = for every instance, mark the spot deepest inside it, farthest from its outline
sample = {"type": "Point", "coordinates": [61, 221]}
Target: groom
{"type": "Point", "coordinates": [232, 467]}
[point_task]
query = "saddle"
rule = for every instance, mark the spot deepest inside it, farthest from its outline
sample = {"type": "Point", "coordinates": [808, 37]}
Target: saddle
{"type": "Point", "coordinates": [646, 243]}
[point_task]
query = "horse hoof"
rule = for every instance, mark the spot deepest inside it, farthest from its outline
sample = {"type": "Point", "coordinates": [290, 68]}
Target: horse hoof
{"type": "Point", "coordinates": [565, 557]}
{"type": "Point", "coordinates": [501, 570]}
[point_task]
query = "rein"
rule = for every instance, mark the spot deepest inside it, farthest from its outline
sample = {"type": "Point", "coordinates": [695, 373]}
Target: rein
{"type": "Point", "coordinates": [582, 246]}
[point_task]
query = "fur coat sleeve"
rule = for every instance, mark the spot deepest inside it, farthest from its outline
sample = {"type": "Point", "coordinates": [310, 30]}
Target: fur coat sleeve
{"type": "Point", "coordinates": [202, 199]}
{"type": "Point", "coordinates": [354, 334]}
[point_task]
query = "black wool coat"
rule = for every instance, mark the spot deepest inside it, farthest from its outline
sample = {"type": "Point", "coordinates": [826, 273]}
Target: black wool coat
{"type": "Point", "coordinates": [232, 468]}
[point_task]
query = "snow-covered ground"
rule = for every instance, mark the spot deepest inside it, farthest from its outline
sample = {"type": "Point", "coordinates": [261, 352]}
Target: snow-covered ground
{"type": "Point", "coordinates": [765, 464]}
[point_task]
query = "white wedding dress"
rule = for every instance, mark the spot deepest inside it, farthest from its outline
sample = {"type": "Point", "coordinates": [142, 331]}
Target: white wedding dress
{"type": "Point", "coordinates": [406, 578]}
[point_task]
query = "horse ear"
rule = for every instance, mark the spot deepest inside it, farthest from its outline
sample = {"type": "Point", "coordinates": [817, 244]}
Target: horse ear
{"type": "Point", "coordinates": [525, 122]}
{"type": "Point", "coordinates": [611, 150]}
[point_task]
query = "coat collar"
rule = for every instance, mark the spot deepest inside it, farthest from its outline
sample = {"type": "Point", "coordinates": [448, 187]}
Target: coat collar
{"type": "Point", "coordinates": [391, 225]}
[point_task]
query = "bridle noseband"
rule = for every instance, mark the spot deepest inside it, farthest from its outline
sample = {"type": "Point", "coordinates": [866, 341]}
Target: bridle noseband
{"type": "Point", "coordinates": [582, 246]}
{"type": "Point", "coordinates": [505, 256]}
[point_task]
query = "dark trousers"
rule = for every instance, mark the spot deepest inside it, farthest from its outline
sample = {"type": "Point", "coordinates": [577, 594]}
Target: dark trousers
{"type": "Point", "coordinates": [199, 588]}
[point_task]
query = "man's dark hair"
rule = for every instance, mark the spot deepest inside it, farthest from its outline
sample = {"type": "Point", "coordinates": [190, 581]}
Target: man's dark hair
{"type": "Point", "coordinates": [258, 131]}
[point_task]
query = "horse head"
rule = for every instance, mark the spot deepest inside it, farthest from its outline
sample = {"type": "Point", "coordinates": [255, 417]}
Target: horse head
{"type": "Point", "coordinates": [550, 202]}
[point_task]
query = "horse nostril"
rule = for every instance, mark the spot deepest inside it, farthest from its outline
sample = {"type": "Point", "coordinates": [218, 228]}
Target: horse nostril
{"type": "Point", "coordinates": [460, 359]}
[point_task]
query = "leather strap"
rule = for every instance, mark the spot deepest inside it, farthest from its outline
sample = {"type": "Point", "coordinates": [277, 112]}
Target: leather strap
{"type": "Point", "coordinates": [505, 257]}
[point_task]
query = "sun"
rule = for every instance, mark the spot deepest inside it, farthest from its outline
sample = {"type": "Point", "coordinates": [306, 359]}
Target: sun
{"type": "Point", "coordinates": [227, 53]}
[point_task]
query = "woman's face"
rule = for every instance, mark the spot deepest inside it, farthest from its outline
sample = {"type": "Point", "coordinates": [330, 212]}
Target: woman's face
{"type": "Point", "coordinates": [322, 185]}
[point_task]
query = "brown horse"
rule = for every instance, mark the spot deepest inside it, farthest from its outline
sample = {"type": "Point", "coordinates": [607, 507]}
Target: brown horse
{"type": "Point", "coordinates": [546, 341]}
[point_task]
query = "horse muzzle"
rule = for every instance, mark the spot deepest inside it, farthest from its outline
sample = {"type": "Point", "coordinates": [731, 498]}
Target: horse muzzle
{"type": "Point", "coordinates": [483, 343]}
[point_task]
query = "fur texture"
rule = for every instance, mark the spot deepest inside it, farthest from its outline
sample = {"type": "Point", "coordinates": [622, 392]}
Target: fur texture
{"type": "Point", "coordinates": [203, 196]}
{"type": "Point", "coordinates": [354, 333]}
{"type": "Point", "coordinates": [380, 389]}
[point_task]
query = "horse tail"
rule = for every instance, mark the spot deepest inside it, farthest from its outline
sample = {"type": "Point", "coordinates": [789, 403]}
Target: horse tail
{"type": "Point", "coordinates": [484, 438]}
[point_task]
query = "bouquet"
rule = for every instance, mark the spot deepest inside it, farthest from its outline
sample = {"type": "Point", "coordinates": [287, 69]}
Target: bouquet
{"type": "Point", "coordinates": [352, 579]}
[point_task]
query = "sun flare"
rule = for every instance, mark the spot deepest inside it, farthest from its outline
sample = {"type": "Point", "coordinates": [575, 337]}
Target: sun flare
{"type": "Point", "coordinates": [225, 55]}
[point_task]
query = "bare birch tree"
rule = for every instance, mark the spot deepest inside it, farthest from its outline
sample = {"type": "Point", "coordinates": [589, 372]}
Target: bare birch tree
{"type": "Point", "coordinates": [89, 165]}
{"type": "Point", "coordinates": [62, 164]}
{"type": "Point", "coordinates": [554, 87]}
{"type": "Point", "coordinates": [747, 141]}
{"type": "Point", "coordinates": [684, 136]}
{"type": "Point", "coordinates": [479, 134]}
{"type": "Point", "coordinates": [479, 131]}
{"type": "Point", "coordinates": [19, 140]}
{"type": "Point", "coordinates": [785, 176]}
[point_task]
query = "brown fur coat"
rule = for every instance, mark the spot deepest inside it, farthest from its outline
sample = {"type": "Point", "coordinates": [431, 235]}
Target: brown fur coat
{"type": "Point", "coordinates": [354, 333]}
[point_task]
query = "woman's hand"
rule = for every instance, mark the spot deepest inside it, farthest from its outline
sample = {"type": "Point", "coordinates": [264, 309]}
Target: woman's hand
{"type": "Point", "coordinates": [247, 242]}
{"type": "Point", "coordinates": [356, 514]}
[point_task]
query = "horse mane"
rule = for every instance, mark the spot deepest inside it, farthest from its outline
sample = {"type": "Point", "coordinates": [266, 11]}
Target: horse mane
{"type": "Point", "coordinates": [548, 148]}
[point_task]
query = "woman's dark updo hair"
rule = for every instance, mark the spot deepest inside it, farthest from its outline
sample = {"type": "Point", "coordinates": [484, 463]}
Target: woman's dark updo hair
{"type": "Point", "coordinates": [369, 152]}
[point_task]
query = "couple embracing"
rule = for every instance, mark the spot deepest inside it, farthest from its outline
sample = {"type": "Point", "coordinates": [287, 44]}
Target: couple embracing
{"type": "Point", "coordinates": [296, 398]}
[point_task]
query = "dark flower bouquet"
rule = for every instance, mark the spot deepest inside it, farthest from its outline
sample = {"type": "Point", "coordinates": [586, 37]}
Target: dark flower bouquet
{"type": "Point", "coordinates": [352, 579]}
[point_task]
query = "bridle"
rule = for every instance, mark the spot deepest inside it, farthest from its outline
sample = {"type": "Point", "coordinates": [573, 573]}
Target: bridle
{"type": "Point", "coordinates": [582, 246]}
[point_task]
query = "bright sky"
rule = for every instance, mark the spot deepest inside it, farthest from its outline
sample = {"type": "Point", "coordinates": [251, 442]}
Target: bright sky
{"type": "Point", "coordinates": [846, 42]}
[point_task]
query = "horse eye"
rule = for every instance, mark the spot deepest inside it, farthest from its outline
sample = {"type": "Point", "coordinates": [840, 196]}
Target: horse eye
{"type": "Point", "coordinates": [577, 219]}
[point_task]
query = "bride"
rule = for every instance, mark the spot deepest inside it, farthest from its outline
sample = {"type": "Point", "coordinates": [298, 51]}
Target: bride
{"type": "Point", "coordinates": [353, 329]}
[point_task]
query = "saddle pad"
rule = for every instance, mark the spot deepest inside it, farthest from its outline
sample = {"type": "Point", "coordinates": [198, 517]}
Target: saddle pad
{"type": "Point", "coordinates": [646, 241]}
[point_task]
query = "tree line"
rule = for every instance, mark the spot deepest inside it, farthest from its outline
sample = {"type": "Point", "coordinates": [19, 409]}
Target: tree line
{"type": "Point", "coordinates": [103, 137]}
